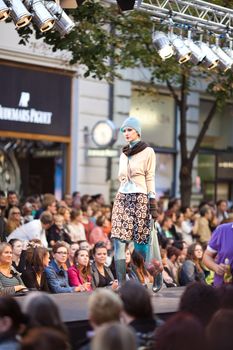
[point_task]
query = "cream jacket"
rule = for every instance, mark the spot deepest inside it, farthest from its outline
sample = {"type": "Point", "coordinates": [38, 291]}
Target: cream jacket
{"type": "Point", "coordinates": [139, 170]}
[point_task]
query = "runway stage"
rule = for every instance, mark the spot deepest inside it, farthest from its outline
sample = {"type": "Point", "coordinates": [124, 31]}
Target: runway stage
{"type": "Point", "coordinates": [73, 309]}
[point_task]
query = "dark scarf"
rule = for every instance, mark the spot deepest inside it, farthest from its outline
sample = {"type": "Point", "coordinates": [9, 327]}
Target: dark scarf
{"type": "Point", "coordinates": [130, 151]}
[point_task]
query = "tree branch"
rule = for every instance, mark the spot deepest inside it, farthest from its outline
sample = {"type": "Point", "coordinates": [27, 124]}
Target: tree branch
{"type": "Point", "coordinates": [203, 130]}
{"type": "Point", "coordinates": [183, 117]}
{"type": "Point", "coordinates": [174, 94]}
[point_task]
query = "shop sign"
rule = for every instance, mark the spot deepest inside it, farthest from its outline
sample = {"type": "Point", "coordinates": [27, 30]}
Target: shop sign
{"type": "Point", "coordinates": [225, 166]}
{"type": "Point", "coordinates": [35, 102]}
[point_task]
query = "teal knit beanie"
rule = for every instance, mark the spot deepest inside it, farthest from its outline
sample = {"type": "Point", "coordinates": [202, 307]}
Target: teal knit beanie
{"type": "Point", "coordinates": [133, 123]}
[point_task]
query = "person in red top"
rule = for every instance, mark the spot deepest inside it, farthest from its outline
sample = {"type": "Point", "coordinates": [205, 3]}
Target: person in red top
{"type": "Point", "coordinates": [79, 274]}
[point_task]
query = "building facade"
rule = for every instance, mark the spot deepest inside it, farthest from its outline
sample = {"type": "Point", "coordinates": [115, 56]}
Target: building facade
{"type": "Point", "coordinates": [48, 112]}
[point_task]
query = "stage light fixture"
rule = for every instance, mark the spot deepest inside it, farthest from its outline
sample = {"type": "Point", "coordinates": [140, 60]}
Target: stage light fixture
{"type": "Point", "coordinates": [197, 54]}
{"type": "Point", "coordinates": [41, 17]}
{"type": "Point", "coordinates": [225, 62]}
{"type": "Point", "coordinates": [183, 53]}
{"type": "Point", "coordinates": [63, 23]}
{"type": "Point", "coordinates": [4, 11]}
{"type": "Point", "coordinates": [211, 60]}
{"type": "Point", "coordinates": [162, 44]}
{"type": "Point", "coordinates": [19, 13]}
{"type": "Point", "coordinates": [126, 5]}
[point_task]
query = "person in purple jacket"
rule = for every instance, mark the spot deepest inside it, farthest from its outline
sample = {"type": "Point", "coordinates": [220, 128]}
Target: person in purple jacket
{"type": "Point", "coordinates": [220, 248]}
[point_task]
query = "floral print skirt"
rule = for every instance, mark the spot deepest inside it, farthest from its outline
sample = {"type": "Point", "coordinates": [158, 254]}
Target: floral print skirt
{"type": "Point", "coordinates": [131, 218]}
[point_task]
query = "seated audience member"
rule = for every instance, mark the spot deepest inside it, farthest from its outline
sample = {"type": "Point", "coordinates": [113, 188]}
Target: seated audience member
{"type": "Point", "coordinates": [10, 280]}
{"type": "Point", "coordinates": [35, 229]}
{"type": "Point", "coordinates": [14, 220]}
{"type": "Point", "coordinates": [131, 271]}
{"type": "Point", "coordinates": [41, 311]}
{"type": "Point", "coordinates": [114, 336]}
{"type": "Point", "coordinates": [33, 276]}
{"type": "Point", "coordinates": [192, 269]}
{"type": "Point", "coordinates": [11, 321]}
{"type": "Point", "coordinates": [98, 234]}
{"type": "Point", "coordinates": [75, 227]}
{"type": "Point", "coordinates": [84, 245]}
{"type": "Point", "coordinates": [219, 331]}
{"type": "Point", "coordinates": [104, 306]}
{"type": "Point", "coordinates": [138, 313]}
{"type": "Point", "coordinates": [167, 277]}
{"type": "Point", "coordinates": [56, 275]}
{"type": "Point", "coordinates": [79, 274]}
{"type": "Point", "coordinates": [71, 250]}
{"type": "Point", "coordinates": [140, 268]}
{"type": "Point", "coordinates": [57, 231]}
{"type": "Point", "coordinates": [181, 332]}
{"type": "Point", "coordinates": [200, 300]}
{"type": "Point", "coordinates": [18, 255]}
{"type": "Point", "coordinates": [44, 338]}
{"type": "Point", "coordinates": [172, 263]}
{"type": "Point", "coordinates": [101, 275]}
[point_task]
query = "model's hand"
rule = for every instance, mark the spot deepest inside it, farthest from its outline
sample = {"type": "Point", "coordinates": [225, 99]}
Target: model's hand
{"type": "Point", "coordinates": [153, 207]}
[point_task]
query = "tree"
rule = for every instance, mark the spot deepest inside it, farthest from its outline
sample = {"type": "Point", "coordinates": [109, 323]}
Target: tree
{"type": "Point", "coordinates": [125, 40]}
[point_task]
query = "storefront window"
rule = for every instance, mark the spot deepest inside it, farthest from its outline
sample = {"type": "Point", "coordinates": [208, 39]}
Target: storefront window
{"type": "Point", "coordinates": [164, 174]}
{"type": "Point", "coordinates": [219, 133]}
{"type": "Point", "coordinates": [157, 115]}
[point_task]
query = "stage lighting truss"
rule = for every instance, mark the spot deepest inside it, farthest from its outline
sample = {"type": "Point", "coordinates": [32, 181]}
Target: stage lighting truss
{"type": "Point", "coordinates": [44, 14]}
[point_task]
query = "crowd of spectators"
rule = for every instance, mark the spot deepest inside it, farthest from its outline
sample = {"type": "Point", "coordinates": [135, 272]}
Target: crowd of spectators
{"type": "Point", "coordinates": [65, 246]}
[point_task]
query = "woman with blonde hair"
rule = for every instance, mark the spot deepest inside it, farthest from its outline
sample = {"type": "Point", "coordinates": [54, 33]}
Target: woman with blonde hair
{"type": "Point", "coordinates": [14, 220]}
{"type": "Point", "coordinates": [10, 280]}
{"type": "Point", "coordinates": [114, 336]}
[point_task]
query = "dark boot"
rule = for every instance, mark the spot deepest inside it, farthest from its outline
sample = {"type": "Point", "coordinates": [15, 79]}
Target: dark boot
{"type": "Point", "coordinates": [157, 283]}
{"type": "Point", "coordinates": [120, 266]}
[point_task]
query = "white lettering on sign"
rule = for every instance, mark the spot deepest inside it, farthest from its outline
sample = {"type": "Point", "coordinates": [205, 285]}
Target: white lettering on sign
{"type": "Point", "coordinates": [25, 115]}
{"type": "Point", "coordinates": [228, 165]}
{"type": "Point", "coordinates": [24, 99]}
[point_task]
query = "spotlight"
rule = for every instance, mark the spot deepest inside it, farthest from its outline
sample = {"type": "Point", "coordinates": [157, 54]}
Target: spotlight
{"type": "Point", "coordinates": [197, 54]}
{"type": "Point", "coordinates": [225, 62]}
{"type": "Point", "coordinates": [162, 45]}
{"type": "Point", "coordinates": [211, 60]}
{"type": "Point", "coordinates": [41, 16]}
{"type": "Point", "coordinates": [126, 5]}
{"type": "Point", "coordinates": [228, 51]}
{"type": "Point", "coordinates": [20, 15]}
{"type": "Point", "coordinates": [4, 11]}
{"type": "Point", "coordinates": [183, 53]}
{"type": "Point", "coordinates": [63, 24]}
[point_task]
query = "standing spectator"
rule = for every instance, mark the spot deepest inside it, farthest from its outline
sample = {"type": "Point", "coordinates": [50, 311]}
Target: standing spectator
{"type": "Point", "coordinates": [35, 229]}
{"type": "Point", "coordinates": [86, 221]}
{"type": "Point", "coordinates": [220, 248]}
{"type": "Point", "coordinates": [222, 213]}
{"type": "Point", "coordinates": [187, 227]}
{"type": "Point", "coordinates": [79, 274]}
{"type": "Point", "coordinates": [203, 225]}
{"type": "Point", "coordinates": [27, 212]}
{"type": "Point", "coordinates": [68, 199]}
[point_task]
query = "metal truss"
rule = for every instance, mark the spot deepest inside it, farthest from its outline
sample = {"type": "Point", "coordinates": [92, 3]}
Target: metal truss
{"type": "Point", "coordinates": [196, 14]}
